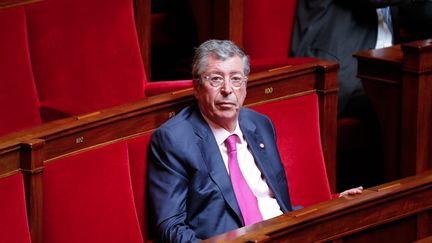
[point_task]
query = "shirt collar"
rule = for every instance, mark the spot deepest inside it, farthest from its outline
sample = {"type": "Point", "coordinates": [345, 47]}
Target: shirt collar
{"type": "Point", "coordinates": [220, 133]}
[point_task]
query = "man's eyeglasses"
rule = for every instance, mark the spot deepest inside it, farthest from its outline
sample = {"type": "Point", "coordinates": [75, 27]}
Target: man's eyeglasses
{"type": "Point", "coordinates": [217, 80]}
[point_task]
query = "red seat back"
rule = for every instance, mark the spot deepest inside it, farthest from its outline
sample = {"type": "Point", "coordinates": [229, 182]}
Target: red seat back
{"type": "Point", "coordinates": [88, 198]}
{"type": "Point", "coordinates": [14, 227]}
{"type": "Point", "coordinates": [267, 27]}
{"type": "Point", "coordinates": [85, 54]}
{"type": "Point", "coordinates": [19, 104]}
{"type": "Point", "coordinates": [137, 148]}
{"type": "Point", "coordinates": [296, 122]}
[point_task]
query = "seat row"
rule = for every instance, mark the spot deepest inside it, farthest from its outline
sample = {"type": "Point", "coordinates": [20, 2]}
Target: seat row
{"type": "Point", "coordinates": [64, 57]}
{"type": "Point", "coordinates": [58, 63]}
{"type": "Point", "coordinates": [84, 176]}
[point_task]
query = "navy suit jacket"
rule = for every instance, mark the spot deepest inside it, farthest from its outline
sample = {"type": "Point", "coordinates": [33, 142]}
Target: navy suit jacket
{"type": "Point", "coordinates": [189, 189]}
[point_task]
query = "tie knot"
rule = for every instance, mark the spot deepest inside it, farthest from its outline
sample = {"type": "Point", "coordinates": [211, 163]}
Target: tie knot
{"type": "Point", "coordinates": [231, 143]}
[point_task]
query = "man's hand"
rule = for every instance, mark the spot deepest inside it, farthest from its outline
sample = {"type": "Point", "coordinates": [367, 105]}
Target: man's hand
{"type": "Point", "coordinates": [352, 191]}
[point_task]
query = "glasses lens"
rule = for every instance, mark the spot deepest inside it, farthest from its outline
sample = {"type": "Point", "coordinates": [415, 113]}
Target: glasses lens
{"type": "Point", "coordinates": [217, 80]}
{"type": "Point", "coordinates": [237, 81]}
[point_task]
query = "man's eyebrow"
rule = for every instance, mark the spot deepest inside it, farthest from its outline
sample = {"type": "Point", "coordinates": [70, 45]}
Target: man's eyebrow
{"type": "Point", "coordinates": [216, 72]}
{"type": "Point", "coordinates": [222, 73]}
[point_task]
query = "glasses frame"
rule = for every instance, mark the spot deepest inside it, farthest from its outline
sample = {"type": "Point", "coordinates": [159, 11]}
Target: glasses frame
{"type": "Point", "coordinates": [216, 84]}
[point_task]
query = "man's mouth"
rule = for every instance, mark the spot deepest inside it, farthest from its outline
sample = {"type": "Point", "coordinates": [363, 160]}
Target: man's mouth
{"type": "Point", "coordinates": [226, 105]}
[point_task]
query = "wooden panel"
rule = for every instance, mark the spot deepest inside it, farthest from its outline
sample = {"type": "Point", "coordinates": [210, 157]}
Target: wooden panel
{"type": "Point", "coordinates": [228, 20]}
{"type": "Point", "coordinates": [425, 240]}
{"type": "Point", "coordinates": [10, 161]}
{"type": "Point", "coordinates": [143, 23]}
{"type": "Point", "coordinates": [398, 81]}
{"type": "Point", "coordinates": [32, 168]}
{"type": "Point", "coordinates": [383, 212]}
{"type": "Point", "coordinates": [219, 19]}
{"type": "Point", "coordinates": [379, 84]}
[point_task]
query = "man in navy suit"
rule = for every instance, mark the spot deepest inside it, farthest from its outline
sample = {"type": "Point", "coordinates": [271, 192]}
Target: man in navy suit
{"type": "Point", "coordinates": [191, 190]}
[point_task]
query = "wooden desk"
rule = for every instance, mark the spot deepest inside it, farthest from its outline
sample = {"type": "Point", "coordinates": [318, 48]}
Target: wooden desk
{"type": "Point", "coordinates": [398, 81]}
{"type": "Point", "coordinates": [400, 211]}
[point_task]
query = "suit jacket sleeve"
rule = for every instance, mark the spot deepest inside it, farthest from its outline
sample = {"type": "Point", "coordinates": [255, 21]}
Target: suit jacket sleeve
{"type": "Point", "coordinates": [167, 182]}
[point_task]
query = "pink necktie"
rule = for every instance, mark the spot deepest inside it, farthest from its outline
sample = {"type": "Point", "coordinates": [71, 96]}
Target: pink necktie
{"type": "Point", "coordinates": [245, 198]}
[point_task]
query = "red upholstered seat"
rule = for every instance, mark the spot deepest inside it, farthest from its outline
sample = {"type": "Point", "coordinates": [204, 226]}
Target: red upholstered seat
{"type": "Point", "coordinates": [19, 104]}
{"type": "Point", "coordinates": [267, 29]}
{"type": "Point", "coordinates": [299, 143]}
{"type": "Point", "coordinates": [14, 227]}
{"type": "Point", "coordinates": [137, 148]}
{"type": "Point", "coordinates": [86, 57]}
{"type": "Point", "coordinates": [88, 198]}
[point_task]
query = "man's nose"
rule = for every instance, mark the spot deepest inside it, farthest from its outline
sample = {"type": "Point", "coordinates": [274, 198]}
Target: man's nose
{"type": "Point", "coordinates": [226, 87]}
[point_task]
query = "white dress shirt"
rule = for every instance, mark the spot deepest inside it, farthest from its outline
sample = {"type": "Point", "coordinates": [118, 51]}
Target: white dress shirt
{"type": "Point", "coordinates": [267, 203]}
{"type": "Point", "coordinates": [384, 35]}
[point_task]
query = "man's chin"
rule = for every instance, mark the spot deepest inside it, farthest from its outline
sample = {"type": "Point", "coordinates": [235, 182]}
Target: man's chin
{"type": "Point", "coordinates": [227, 115]}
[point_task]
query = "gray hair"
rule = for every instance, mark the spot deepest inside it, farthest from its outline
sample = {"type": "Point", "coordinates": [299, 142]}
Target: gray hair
{"type": "Point", "coordinates": [221, 50]}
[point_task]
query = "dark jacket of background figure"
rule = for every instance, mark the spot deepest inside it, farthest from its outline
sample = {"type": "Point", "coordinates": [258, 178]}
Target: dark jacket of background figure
{"type": "Point", "coordinates": [189, 188]}
{"type": "Point", "coordinates": [416, 20]}
{"type": "Point", "coordinates": [334, 30]}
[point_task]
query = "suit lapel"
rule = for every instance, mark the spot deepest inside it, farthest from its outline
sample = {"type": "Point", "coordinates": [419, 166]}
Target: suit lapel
{"type": "Point", "coordinates": [258, 149]}
{"type": "Point", "coordinates": [214, 162]}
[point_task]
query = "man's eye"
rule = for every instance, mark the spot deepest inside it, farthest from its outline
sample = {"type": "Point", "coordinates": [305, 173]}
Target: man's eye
{"type": "Point", "coordinates": [216, 79]}
{"type": "Point", "coordinates": [236, 79]}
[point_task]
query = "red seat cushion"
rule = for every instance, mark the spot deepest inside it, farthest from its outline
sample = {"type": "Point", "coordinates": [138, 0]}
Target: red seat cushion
{"type": "Point", "coordinates": [88, 198]}
{"type": "Point", "coordinates": [13, 214]}
{"type": "Point", "coordinates": [296, 122]}
{"type": "Point", "coordinates": [19, 104]}
{"type": "Point", "coordinates": [85, 53]}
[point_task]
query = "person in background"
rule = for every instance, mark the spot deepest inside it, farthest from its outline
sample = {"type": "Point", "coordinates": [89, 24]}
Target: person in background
{"type": "Point", "coordinates": [215, 166]}
{"type": "Point", "coordinates": [335, 30]}
{"type": "Point", "coordinates": [416, 20]}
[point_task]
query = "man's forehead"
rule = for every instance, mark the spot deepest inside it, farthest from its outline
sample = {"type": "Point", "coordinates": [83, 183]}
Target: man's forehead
{"type": "Point", "coordinates": [230, 65]}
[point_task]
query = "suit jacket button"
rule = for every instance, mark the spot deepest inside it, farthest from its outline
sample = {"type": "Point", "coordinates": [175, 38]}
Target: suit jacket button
{"type": "Point", "coordinates": [261, 145]}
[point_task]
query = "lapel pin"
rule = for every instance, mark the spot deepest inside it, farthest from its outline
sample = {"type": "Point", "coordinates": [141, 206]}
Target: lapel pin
{"type": "Point", "coordinates": [261, 145]}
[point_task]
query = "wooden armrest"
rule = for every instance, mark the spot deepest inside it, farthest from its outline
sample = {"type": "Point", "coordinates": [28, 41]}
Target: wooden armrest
{"type": "Point", "coordinates": [381, 207]}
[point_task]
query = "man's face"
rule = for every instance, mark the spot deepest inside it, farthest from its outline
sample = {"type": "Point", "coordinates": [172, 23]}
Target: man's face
{"type": "Point", "coordinates": [221, 104]}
